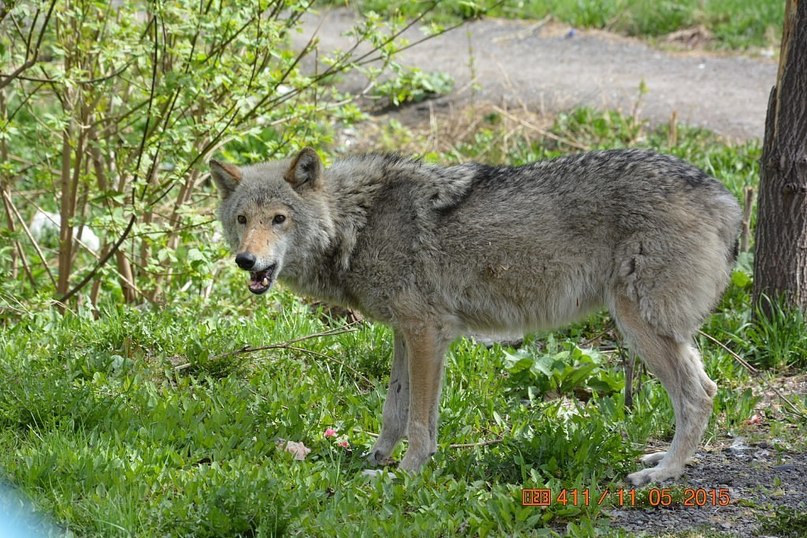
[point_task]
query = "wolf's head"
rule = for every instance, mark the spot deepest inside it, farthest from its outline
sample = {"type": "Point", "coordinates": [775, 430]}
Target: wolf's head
{"type": "Point", "coordinates": [274, 215]}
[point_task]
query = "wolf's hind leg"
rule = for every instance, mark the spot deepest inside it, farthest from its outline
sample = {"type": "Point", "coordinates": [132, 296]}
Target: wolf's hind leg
{"type": "Point", "coordinates": [396, 406]}
{"type": "Point", "coordinates": [680, 369]}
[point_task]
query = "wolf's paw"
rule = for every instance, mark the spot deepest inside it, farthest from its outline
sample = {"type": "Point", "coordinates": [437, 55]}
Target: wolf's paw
{"type": "Point", "coordinates": [413, 462]}
{"type": "Point", "coordinates": [376, 458]}
{"type": "Point", "coordinates": [382, 450]}
{"type": "Point", "coordinates": [652, 459]}
{"type": "Point", "coordinates": [654, 474]}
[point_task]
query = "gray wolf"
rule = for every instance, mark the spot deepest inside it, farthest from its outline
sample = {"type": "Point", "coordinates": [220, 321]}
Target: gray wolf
{"type": "Point", "coordinates": [436, 252]}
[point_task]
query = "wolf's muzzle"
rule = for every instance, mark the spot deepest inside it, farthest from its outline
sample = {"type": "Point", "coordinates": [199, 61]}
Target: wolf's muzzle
{"type": "Point", "coordinates": [245, 260]}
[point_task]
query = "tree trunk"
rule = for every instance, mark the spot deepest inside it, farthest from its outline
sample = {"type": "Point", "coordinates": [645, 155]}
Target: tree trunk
{"type": "Point", "coordinates": [780, 262]}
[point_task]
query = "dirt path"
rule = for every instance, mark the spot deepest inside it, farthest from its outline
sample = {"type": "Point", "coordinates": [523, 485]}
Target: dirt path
{"type": "Point", "coordinates": [550, 68]}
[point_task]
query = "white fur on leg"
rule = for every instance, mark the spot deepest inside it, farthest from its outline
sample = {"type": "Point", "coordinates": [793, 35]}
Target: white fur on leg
{"type": "Point", "coordinates": [658, 473]}
{"type": "Point", "coordinates": [652, 459]}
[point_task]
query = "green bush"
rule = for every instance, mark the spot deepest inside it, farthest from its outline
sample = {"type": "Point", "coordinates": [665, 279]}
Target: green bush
{"type": "Point", "coordinates": [108, 114]}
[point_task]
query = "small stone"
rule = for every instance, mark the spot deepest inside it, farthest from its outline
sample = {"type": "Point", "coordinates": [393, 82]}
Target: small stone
{"type": "Point", "coordinates": [787, 467]}
{"type": "Point", "coordinates": [373, 473]}
{"type": "Point", "coordinates": [738, 447]}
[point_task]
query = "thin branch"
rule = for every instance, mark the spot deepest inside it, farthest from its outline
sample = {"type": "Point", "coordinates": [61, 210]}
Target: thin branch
{"type": "Point", "coordinates": [56, 223]}
{"type": "Point", "coordinates": [10, 205]}
{"type": "Point", "coordinates": [475, 445]}
{"type": "Point", "coordinates": [745, 230]}
{"type": "Point", "coordinates": [152, 91]}
{"type": "Point", "coordinates": [289, 345]}
{"type": "Point", "coordinates": [5, 9]}
{"type": "Point", "coordinates": [349, 328]}
{"type": "Point", "coordinates": [7, 79]}
{"type": "Point", "coordinates": [341, 363]}
{"type": "Point", "coordinates": [90, 81]}
{"type": "Point", "coordinates": [18, 250]}
{"type": "Point", "coordinates": [101, 262]}
{"type": "Point", "coordinates": [739, 359]}
{"type": "Point", "coordinates": [753, 370]}
{"type": "Point", "coordinates": [542, 132]}
{"type": "Point", "coordinates": [455, 445]}
{"type": "Point", "coordinates": [220, 48]}
{"type": "Point", "coordinates": [344, 62]}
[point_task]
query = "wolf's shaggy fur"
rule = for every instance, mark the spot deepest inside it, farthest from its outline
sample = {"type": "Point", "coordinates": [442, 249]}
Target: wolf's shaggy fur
{"type": "Point", "coordinates": [436, 252]}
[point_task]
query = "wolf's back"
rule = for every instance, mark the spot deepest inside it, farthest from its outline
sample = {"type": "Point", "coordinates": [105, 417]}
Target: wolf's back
{"type": "Point", "coordinates": [579, 231]}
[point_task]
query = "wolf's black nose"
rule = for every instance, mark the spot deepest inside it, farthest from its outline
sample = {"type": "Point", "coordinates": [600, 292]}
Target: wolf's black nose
{"type": "Point", "coordinates": [245, 260]}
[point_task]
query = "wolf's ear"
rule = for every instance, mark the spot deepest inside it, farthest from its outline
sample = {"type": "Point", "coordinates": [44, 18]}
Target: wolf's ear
{"type": "Point", "coordinates": [226, 176]}
{"type": "Point", "coordinates": [305, 171]}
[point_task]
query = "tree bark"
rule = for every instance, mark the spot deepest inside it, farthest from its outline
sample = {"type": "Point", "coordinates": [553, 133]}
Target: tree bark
{"type": "Point", "coordinates": [780, 261]}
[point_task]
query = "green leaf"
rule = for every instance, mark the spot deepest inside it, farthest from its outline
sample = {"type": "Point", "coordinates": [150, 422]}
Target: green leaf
{"type": "Point", "coordinates": [741, 279]}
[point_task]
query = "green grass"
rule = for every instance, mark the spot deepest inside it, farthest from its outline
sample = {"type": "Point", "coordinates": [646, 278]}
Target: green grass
{"type": "Point", "coordinates": [135, 425]}
{"type": "Point", "coordinates": [785, 522]}
{"type": "Point", "coordinates": [735, 24]}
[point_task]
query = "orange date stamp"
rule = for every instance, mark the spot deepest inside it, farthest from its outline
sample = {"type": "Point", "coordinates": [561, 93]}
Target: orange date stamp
{"type": "Point", "coordinates": [690, 497]}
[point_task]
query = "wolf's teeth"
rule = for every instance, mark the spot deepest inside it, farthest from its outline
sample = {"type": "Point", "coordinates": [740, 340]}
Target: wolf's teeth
{"type": "Point", "coordinates": [265, 281]}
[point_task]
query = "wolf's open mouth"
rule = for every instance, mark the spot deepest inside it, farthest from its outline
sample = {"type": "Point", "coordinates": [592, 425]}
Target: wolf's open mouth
{"type": "Point", "coordinates": [261, 281]}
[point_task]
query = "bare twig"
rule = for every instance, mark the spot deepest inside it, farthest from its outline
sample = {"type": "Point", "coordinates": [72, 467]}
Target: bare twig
{"type": "Point", "coordinates": [124, 268]}
{"type": "Point", "coordinates": [542, 132]}
{"type": "Point", "coordinates": [532, 29]}
{"type": "Point", "coordinates": [753, 370]}
{"type": "Point", "coordinates": [475, 445]}
{"type": "Point", "coordinates": [149, 115]}
{"type": "Point", "coordinates": [672, 136]}
{"type": "Point", "coordinates": [748, 207]}
{"type": "Point", "coordinates": [349, 328]}
{"type": "Point", "coordinates": [10, 205]}
{"type": "Point", "coordinates": [630, 370]}
{"type": "Point", "coordinates": [89, 81]}
{"type": "Point", "coordinates": [5, 9]}
{"type": "Point", "coordinates": [89, 276]}
{"type": "Point", "coordinates": [18, 251]}
{"type": "Point", "coordinates": [456, 445]}
{"type": "Point", "coordinates": [289, 345]}
{"type": "Point", "coordinates": [739, 359]}
{"type": "Point", "coordinates": [31, 56]}
{"type": "Point", "coordinates": [341, 363]}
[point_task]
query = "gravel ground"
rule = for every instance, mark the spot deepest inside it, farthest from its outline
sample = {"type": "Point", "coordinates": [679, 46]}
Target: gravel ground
{"type": "Point", "coordinates": [758, 478]}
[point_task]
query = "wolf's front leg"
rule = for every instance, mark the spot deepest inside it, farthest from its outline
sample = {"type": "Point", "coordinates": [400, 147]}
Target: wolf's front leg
{"type": "Point", "coordinates": [396, 406]}
{"type": "Point", "coordinates": [426, 347]}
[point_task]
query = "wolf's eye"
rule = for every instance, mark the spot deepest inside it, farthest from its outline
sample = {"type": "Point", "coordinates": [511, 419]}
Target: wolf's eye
{"type": "Point", "coordinates": [279, 219]}
{"type": "Point", "coordinates": [241, 219]}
